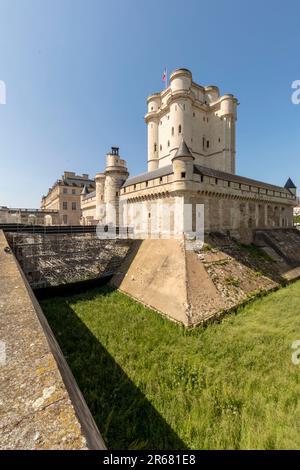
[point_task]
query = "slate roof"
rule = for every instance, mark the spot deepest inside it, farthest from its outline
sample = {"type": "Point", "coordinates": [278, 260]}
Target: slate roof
{"type": "Point", "coordinates": [201, 170]}
{"type": "Point", "coordinates": [150, 175]}
{"type": "Point", "coordinates": [289, 184]}
{"type": "Point", "coordinates": [183, 151]}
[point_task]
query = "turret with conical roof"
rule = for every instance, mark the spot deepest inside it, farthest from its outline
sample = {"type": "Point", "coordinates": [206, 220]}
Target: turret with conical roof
{"type": "Point", "coordinates": [291, 186]}
{"type": "Point", "coordinates": [183, 164]}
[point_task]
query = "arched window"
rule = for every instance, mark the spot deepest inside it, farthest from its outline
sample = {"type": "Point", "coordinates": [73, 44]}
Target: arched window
{"type": "Point", "coordinates": [155, 147]}
{"type": "Point", "coordinates": [179, 129]}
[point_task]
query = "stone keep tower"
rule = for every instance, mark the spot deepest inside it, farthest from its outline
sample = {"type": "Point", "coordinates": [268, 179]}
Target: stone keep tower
{"type": "Point", "coordinates": [197, 114]}
{"type": "Point", "coordinates": [115, 175]}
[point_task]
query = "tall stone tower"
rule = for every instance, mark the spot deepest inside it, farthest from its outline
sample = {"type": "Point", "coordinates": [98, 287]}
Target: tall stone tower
{"type": "Point", "coordinates": [197, 114]}
{"type": "Point", "coordinates": [115, 175]}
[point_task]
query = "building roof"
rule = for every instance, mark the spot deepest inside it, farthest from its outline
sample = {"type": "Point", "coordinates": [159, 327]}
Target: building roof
{"type": "Point", "coordinates": [183, 151]}
{"type": "Point", "coordinates": [150, 175]}
{"type": "Point", "coordinates": [289, 184]}
{"type": "Point", "coordinates": [76, 182]}
{"type": "Point", "coordinates": [201, 170]}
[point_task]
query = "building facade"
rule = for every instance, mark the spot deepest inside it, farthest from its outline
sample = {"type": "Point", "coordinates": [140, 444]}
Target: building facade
{"type": "Point", "coordinates": [197, 114]}
{"type": "Point", "coordinates": [191, 161]}
{"type": "Point", "coordinates": [64, 197]}
{"type": "Point", "coordinates": [9, 215]}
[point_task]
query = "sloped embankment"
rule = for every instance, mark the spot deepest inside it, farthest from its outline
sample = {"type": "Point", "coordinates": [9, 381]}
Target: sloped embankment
{"type": "Point", "coordinates": [192, 285]}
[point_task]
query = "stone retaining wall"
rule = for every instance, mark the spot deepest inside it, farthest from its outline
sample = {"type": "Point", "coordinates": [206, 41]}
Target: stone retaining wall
{"type": "Point", "coordinates": [55, 259]}
{"type": "Point", "coordinates": [41, 406]}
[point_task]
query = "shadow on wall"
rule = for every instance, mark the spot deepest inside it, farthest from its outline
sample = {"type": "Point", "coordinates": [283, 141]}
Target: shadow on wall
{"type": "Point", "coordinates": [124, 416]}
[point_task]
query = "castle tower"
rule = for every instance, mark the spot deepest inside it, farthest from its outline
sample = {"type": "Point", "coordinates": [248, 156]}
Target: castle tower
{"type": "Point", "coordinates": [197, 114]}
{"type": "Point", "coordinates": [100, 184]}
{"type": "Point", "coordinates": [115, 175]}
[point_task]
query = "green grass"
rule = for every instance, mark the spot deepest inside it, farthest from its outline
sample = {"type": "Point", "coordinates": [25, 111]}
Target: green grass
{"type": "Point", "coordinates": [153, 384]}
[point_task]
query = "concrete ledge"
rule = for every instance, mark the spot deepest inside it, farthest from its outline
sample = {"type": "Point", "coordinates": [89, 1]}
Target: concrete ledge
{"type": "Point", "coordinates": [41, 406]}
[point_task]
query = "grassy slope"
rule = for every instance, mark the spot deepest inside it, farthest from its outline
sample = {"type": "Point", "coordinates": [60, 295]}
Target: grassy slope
{"type": "Point", "coordinates": [150, 383]}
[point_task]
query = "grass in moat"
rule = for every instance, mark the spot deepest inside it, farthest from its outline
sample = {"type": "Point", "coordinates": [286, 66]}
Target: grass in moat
{"type": "Point", "coordinates": [152, 384]}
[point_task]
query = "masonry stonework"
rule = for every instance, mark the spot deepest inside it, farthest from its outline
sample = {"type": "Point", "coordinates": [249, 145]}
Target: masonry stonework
{"type": "Point", "coordinates": [191, 160]}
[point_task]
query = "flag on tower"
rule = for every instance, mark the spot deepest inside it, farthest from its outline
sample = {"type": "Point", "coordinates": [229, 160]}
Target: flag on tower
{"type": "Point", "coordinates": [164, 75]}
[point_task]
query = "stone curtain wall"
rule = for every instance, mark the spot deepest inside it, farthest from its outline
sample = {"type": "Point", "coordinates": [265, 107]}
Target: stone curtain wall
{"type": "Point", "coordinates": [55, 259]}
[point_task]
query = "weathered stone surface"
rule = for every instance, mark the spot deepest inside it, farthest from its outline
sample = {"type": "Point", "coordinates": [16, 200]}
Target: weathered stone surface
{"type": "Point", "coordinates": [36, 411]}
{"type": "Point", "coordinates": [54, 259]}
{"type": "Point", "coordinates": [192, 285]}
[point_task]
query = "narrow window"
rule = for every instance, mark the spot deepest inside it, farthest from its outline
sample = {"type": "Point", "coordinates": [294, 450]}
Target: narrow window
{"type": "Point", "coordinates": [172, 130]}
{"type": "Point", "coordinates": [183, 174]}
{"type": "Point", "coordinates": [160, 179]}
{"type": "Point", "coordinates": [168, 143]}
{"type": "Point", "coordinates": [65, 205]}
{"type": "Point", "coordinates": [179, 129]}
{"type": "Point", "coordinates": [194, 114]}
{"type": "Point", "coordinates": [160, 147]}
{"type": "Point", "coordinates": [155, 147]}
{"type": "Point", "coordinates": [73, 191]}
{"type": "Point", "coordinates": [65, 190]}
{"type": "Point", "coordinates": [207, 144]}
{"type": "Point", "coordinates": [201, 178]}
{"type": "Point", "coordinates": [146, 184]}
{"type": "Point", "coordinates": [203, 142]}
{"type": "Point", "coordinates": [73, 206]}
{"type": "Point", "coordinates": [216, 180]}
{"type": "Point", "coordinates": [219, 139]}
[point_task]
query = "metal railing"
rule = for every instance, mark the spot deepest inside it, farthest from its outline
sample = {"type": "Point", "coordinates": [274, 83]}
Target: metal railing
{"type": "Point", "coordinates": [51, 229]}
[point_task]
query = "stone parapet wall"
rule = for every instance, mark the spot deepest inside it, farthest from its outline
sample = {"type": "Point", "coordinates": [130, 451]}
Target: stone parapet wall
{"type": "Point", "coordinates": [41, 406]}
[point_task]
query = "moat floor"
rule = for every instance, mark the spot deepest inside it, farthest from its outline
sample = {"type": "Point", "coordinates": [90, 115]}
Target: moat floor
{"type": "Point", "coordinates": [152, 384]}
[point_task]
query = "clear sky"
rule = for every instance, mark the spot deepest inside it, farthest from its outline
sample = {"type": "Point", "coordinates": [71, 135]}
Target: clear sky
{"type": "Point", "coordinates": [78, 72]}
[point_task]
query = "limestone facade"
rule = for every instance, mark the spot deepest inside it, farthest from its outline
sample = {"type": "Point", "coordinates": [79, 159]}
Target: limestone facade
{"type": "Point", "coordinates": [181, 170]}
{"type": "Point", "coordinates": [197, 114]}
{"type": "Point", "coordinates": [64, 197]}
{"type": "Point", "coordinates": [9, 215]}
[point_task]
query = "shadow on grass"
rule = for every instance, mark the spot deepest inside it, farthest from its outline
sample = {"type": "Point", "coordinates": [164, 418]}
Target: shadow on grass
{"type": "Point", "coordinates": [124, 416]}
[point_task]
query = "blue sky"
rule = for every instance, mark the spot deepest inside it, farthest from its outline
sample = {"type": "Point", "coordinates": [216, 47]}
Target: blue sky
{"type": "Point", "coordinates": [78, 73]}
